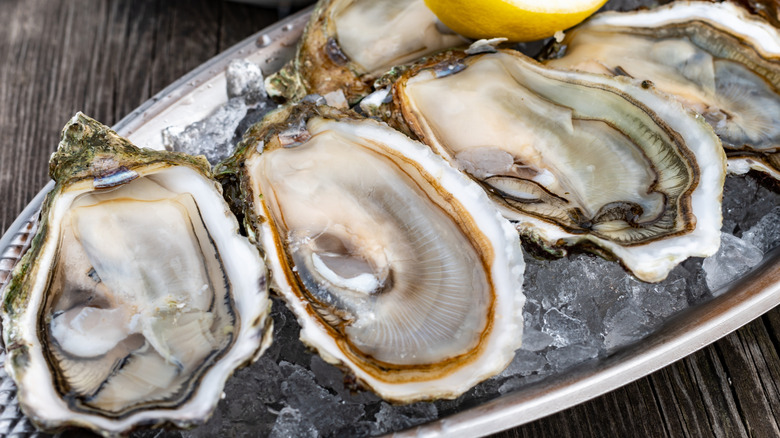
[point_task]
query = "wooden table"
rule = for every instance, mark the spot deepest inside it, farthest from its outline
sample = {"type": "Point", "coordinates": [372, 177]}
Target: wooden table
{"type": "Point", "coordinates": [106, 58]}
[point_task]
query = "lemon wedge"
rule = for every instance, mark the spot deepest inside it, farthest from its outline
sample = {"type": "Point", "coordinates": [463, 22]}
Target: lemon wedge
{"type": "Point", "coordinates": [516, 20]}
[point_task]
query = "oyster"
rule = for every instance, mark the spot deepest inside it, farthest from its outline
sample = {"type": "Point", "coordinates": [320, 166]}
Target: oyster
{"type": "Point", "coordinates": [138, 298]}
{"type": "Point", "coordinates": [573, 158]}
{"type": "Point", "coordinates": [397, 266]}
{"type": "Point", "coordinates": [715, 58]}
{"type": "Point", "coordinates": [348, 43]}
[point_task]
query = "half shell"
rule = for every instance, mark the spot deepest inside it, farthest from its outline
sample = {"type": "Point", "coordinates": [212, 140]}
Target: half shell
{"type": "Point", "coordinates": [138, 298]}
{"type": "Point", "coordinates": [397, 266]}
{"type": "Point", "coordinates": [715, 58]}
{"type": "Point", "coordinates": [573, 158]}
{"type": "Point", "coordinates": [349, 43]}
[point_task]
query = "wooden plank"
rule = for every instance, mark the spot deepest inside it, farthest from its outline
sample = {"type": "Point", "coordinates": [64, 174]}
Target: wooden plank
{"type": "Point", "coordinates": [675, 407]}
{"type": "Point", "coordinates": [754, 385]}
{"type": "Point", "coordinates": [31, 96]}
{"type": "Point", "coordinates": [239, 20]}
{"type": "Point", "coordinates": [127, 68]}
{"type": "Point", "coordinates": [187, 34]}
{"type": "Point", "coordinates": [714, 409]}
{"type": "Point", "coordinates": [608, 415]}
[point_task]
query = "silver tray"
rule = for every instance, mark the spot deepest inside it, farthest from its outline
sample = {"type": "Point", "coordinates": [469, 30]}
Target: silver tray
{"type": "Point", "coordinates": [199, 92]}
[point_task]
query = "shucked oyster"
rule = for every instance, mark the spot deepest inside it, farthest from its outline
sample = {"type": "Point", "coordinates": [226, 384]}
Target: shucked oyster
{"type": "Point", "coordinates": [573, 158]}
{"type": "Point", "coordinates": [348, 43]}
{"type": "Point", "coordinates": [715, 58]}
{"type": "Point", "coordinates": [138, 298]}
{"type": "Point", "coordinates": [397, 266]}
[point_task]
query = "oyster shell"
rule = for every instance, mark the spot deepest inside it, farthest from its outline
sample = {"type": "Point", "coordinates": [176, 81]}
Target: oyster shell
{"type": "Point", "coordinates": [572, 158]}
{"type": "Point", "coordinates": [715, 58]}
{"type": "Point", "coordinates": [138, 298]}
{"type": "Point", "coordinates": [348, 43]}
{"type": "Point", "coordinates": [397, 266]}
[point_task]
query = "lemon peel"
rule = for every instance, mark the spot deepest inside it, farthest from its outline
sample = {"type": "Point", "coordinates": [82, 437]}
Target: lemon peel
{"type": "Point", "coordinates": [516, 20]}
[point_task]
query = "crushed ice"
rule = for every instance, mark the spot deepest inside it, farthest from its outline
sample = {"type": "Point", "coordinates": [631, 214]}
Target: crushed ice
{"type": "Point", "coordinates": [216, 136]}
{"type": "Point", "coordinates": [579, 309]}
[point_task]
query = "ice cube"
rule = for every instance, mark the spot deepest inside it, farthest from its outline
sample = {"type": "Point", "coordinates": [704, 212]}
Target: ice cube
{"type": "Point", "coordinates": [327, 412]}
{"type": "Point", "coordinates": [535, 340]}
{"type": "Point", "coordinates": [244, 403]}
{"type": "Point", "coordinates": [734, 258]}
{"type": "Point", "coordinates": [524, 363]}
{"type": "Point", "coordinates": [245, 79]}
{"type": "Point", "coordinates": [564, 329]}
{"type": "Point", "coordinates": [216, 135]}
{"type": "Point", "coordinates": [766, 233]}
{"type": "Point", "coordinates": [286, 345]}
{"type": "Point", "coordinates": [212, 136]}
{"type": "Point", "coordinates": [514, 383]}
{"type": "Point", "coordinates": [746, 200]}
{"type": "Point", "coordinates": [659, 300]}
{"type": "Point", "coordinates": [290, 423]}
{"type": "Point", "coordinates": [625, 325]}
{"type": "Point", "coordinates": [581, 286]}
{"type": "Point", "coordinates": [532, 313]}
{"type": "Point", "coordinates": [394, 418]}
{"type": "Point", "coordinates": [696, 289]}
{"type": "Point", "coordinates": [571, 355]}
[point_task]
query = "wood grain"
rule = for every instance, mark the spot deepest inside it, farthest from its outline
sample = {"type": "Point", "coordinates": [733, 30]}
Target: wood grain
{"type": "Point", "coordinates": [107, 57]}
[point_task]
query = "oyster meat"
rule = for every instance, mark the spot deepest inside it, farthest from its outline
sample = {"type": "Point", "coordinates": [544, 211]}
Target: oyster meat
{"type": "Point", "coordinates": [138, 298]}
{"type": "Point", "coordinates": [573, 158]}
{"type": "Point", "coordinates": [349, 43]}
{"type": "Point", "coordinates": [715, 58]}
{"type": "Point", "coordinates": [397, 266]}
